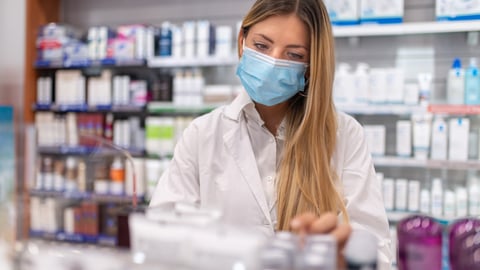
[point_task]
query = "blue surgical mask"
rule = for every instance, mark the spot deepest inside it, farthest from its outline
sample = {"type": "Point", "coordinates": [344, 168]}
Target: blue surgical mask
{"type": "Point", "coordinates": [270, 81]}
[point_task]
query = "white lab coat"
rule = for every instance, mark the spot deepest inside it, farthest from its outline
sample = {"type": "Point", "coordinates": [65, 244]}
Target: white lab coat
{"type": "Point", "coordinates": [214, 165]}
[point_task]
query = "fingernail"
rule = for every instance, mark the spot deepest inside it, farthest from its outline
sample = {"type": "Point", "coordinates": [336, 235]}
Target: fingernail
{"type": "Point", "coordinates": [295, 223]}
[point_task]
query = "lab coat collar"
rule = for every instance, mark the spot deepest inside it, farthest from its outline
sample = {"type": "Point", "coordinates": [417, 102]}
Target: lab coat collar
{"type": "Point", "coordinates": [235, 140]}
{"type": "Point", "coordinates": [234, 109]}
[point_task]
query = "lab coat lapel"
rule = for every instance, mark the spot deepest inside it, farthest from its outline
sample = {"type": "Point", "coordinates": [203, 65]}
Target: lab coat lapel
{"type": "Point", "coordinates": [237, 142]}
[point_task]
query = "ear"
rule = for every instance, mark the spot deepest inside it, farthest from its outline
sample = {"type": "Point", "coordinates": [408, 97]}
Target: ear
{"type": "Point", "coordinates": [240, 40]}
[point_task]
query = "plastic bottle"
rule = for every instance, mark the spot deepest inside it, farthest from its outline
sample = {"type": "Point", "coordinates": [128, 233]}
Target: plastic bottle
{"type": "Point", "coordinates": [456, 83]}
{"type": "Point", "coordinates": [419, 243]}
{"type": "Point", "coordinates": [437, 197]}
{"type": "Point", "coordinates": [117, 175]}
{"type": "Point", "coordinates": [362, 83]}
{"type": "Point", "coordinates": [343, 85]}
{"type": "Point", "coordinates": [460, 245]}
{"type": "Point", "coordinates": [472, 83]}
{"type": "Point", "coordinates": [439, 139]}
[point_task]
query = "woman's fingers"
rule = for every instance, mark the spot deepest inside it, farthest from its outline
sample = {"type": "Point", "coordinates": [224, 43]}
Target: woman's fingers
{"type": "Point", "coordinates": [301, 223]}
{"type": "Point", "coordinates": [326, 223]}
{"type": "Point", "coordinates": [341, 233]}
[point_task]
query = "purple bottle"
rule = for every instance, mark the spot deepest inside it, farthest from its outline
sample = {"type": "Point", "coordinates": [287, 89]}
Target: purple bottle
{"type": "Point", "coordinates": [419, 243]}
{"type": "Point", "coordinates": [464, 244]}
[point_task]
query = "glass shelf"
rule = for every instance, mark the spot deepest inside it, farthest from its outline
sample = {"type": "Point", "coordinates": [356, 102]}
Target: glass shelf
{"type": "Point", "coordinates": [86, 63]}
{"type": "Point", "coordinates": [76, 195]}
{"type": "Point", "coordinates": [397, 216]}
{"type": "Point", "coordinates": [406, 28]}
{"type": "Point", "coordinates": [87, 108]}
{"type": "Point", "coordinates": [170, 108]}
{"type": "Point", "coordinates": [158, 62]}
{"type": "Point", "coordinates": [454, 109]}
{"type": "Point", "coordinates": [75, 238]}
{"type": "Point", "coordinates": [86, 150]}
{"type": "Point", "coordinates": [383, 109]}
{"type": "Point", "coordinates": [430, 164]}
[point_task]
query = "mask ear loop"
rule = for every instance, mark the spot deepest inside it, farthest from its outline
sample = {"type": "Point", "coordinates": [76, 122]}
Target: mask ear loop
{"type": "Point", "coordinates": [304, 93]}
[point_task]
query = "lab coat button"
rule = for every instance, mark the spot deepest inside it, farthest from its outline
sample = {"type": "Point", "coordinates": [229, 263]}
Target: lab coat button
{"type": "Point", "coordinates": [269, 179]}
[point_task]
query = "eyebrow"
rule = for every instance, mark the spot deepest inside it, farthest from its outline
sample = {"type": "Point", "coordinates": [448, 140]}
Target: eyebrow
{"type": "Point", "coordinates": [288, 46]}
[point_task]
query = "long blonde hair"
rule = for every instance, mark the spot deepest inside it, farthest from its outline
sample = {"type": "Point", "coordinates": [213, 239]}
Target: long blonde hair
{"type": "Point", "coordinates": [306, 179]}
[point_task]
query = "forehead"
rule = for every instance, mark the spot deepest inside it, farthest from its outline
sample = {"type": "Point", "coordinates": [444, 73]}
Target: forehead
{"type": "Point", "coordinates": [288, 29]}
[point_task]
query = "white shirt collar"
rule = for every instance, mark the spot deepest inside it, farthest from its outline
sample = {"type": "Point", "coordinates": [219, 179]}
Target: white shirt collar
{"type": "Point", "coordinates": [244, 104]}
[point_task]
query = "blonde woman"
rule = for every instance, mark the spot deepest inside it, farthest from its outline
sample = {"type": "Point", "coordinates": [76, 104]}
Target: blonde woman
{"type": "Point", "coordinates": [280, 150]}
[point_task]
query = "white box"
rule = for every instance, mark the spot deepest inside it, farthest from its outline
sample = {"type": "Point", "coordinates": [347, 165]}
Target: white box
{"type": "Point", "coordinates": [378, 86]}
{"type": "Point", "coordinates": [458, 139]}
{"type": "Point", "coordinates": [404, 138]}
{"type": "Point", "coordinates": [454, 10]}
{"type": "Point", "coordinates": [343, 12]}
{"type": "Point", "coordinates": [401, 194]}
{"type": "Point", "coordinates": [395, 80]}
{"type": "Point", "coordinates": [375, 137]}
{"type": "Point", "coordinates": [381, 11]}
{"type": "Point", "coordinates": [413, 195]}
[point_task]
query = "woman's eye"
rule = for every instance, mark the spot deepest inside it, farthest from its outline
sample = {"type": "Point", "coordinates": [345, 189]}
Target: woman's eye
{"type": "Point", "coordinates": [260, 46]}
{"type": "Point", "coordinates": [295, 56]}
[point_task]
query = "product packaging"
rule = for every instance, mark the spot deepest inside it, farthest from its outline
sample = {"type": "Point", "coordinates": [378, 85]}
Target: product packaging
{"type": "Point", "coordinates": [419, 243]}
{"type": "Point", "coordinates": [456, 83]}
{"type": "Point", "coordinates": [343, 12]}
{"type": "Point", "coordinates": [383, 11]}
{"type": "Point", "coordinates": [421, 135]}
{"type": "Point", "coordinates": [454, 10]}
{"type": "Point", "coordinates": [458, 139]}
{"type": "Point", "coordinates": [404, 138]}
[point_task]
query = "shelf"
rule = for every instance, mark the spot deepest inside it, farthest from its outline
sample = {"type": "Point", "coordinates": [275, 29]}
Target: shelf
{"type": "Point", "coordinates": [385, 109]}
{"type": "Point", "coordinates": [430, 164]}
{"type": "Point", "coordinates": [397, 216]}
{"type": "Point", "coordinates": [75, 238]}
{"type": "Point", "coordinates": [87, 108]}
{"type": "Point", "coordinates": [86, 63]}
{"type": "Point", "coordinates": [86, 150]}
{"type": "Point", "coordinates": [76, 195]}
{"type": "Point", "coordinates": [159, 62]}
{"type": "Point", "coordinates": [407, 28]}
{"type": "Point", "coordinates": [454, 109]}
{"type": "Point", "coordinates": [170, 108]}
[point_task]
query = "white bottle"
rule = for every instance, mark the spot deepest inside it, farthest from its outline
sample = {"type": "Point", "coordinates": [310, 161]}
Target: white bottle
{"type": "Point", "coordinates": [413, 195]}
{"type": "Point", "coordinates": [461, 197]}
{"type": "Point", "coordinates": [437, 197]}
{"type": "Point", "coordinates": [401, 194]}
{"type": "Point", "coordinates": [425, 201]}
{"type": "Point", "coordinates": [362, 83]}
{"type": "Point", "coordinates": [449, 204]}
{"type": "Point", "coordinates": [439, 139]}
{"type": "Point", "coordinates": [343, 84]}
{"type": "Point", "coordinates": [473, 197]}
{"type": "Point", "coordinates": [456, 83]}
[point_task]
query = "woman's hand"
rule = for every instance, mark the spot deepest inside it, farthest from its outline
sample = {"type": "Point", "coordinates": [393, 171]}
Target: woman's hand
{"type": "Point", "coordinates": [327, 223]}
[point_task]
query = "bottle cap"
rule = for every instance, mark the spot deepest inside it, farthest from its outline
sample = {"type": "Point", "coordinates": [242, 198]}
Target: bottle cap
{"type": "Point", "coordinates": [457, 63]}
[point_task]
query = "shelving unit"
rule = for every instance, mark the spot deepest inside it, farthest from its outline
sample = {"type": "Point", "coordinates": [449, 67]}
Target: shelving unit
{"type": "Point", "coordinates": [381, 109]}
{"type": "Point", "coordinates": [429, 164]}
{"type": "Point", "coordinates": [169, 62]}
{"type": "Point", "coordinates": [406, 28]}
{"type": "Point", "coordinates": [397, 216]}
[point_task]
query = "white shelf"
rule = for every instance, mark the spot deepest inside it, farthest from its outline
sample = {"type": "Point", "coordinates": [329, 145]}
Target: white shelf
{"type": "Point", "coordinates": [407, 28]}
{"type": "Point", "coordinates": [191, 62]}
{"type": "Point", "coordinates": [387, 109]}
{"type": "Point", "coordinates": [431, 164]}
{"type": "Point", "coordinates": [397, 216]}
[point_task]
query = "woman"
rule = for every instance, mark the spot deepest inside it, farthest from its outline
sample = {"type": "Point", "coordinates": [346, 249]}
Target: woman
{"type": "Point", "coordinates": [280, 149]}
